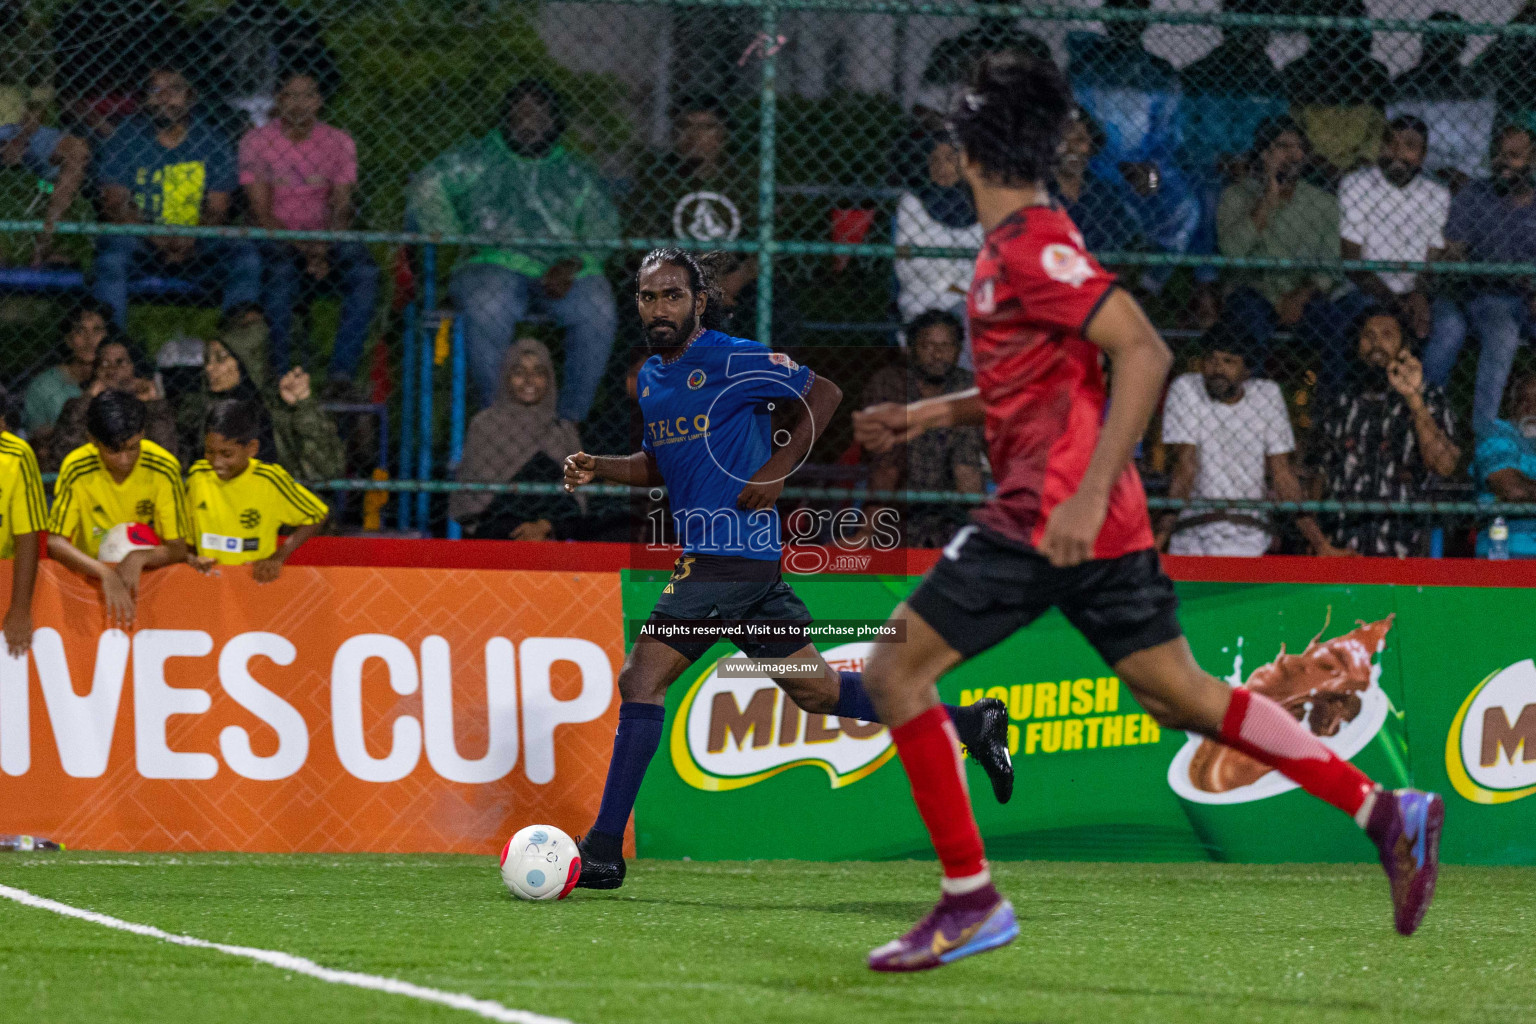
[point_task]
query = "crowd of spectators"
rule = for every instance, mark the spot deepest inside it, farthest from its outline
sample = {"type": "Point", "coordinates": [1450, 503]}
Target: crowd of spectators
{"type": "Point", "coordinates": [1309, 382]}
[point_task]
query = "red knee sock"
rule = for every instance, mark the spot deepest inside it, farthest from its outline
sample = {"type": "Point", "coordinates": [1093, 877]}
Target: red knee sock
{"type": "Point", "coordinates": [1264, 731]}
{"type": "Point", "coordinates": [930, 752]}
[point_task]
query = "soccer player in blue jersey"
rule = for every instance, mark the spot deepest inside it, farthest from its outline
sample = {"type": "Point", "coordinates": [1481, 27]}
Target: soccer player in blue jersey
{"type": "Point", "coordinates": [708, 400]}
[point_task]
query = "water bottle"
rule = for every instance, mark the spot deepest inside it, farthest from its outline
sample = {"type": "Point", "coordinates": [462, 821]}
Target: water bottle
{"type": "Point", "coordinates": [27, 844]}
{"type": "Point", "coordinates": [1498, 540]}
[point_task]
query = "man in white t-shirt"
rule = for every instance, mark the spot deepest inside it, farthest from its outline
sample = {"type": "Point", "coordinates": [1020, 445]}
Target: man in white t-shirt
{"type": "Point", "coordinates": [1226, 432]}
{"type": "Point", "coordinates": [1394, 212]}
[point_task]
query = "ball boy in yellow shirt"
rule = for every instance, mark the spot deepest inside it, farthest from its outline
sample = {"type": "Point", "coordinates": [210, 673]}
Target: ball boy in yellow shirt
{"type": "Point", "coordinates": [239, 502]}
{"type": "Point", "coordinates": [117, 477]}
{"type": "Point", "coordinates": [23, 513]}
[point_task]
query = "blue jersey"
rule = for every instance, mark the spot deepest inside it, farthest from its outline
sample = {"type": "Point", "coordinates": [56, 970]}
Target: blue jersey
{"type": "Point", "coordinates": [708, 421]}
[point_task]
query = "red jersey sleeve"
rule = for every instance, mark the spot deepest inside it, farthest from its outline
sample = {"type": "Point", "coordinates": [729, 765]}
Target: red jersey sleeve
{"type": "Point", "coordinates": [1057, 283]}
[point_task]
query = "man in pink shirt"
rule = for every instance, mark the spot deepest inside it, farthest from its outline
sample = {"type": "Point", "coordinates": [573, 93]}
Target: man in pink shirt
{"type": "Point", "coordinates": [298, 173]}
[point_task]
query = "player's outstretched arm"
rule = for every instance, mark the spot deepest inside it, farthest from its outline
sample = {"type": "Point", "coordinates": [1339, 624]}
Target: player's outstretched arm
{"type": "Point", "coordinates": [1140, 361]}
{"type": "Point", "coordinates": [119, 601]}
{"type": "Point", "coordinates": [763, 490]}
{"type": "Point", "coordinates": [637, 470]}
{"type": "Point", "coordinates": [881, 427]}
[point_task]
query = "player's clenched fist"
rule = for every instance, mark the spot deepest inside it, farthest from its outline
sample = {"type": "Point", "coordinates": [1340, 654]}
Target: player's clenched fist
{"type": "Point", "coordinates": [881, 427]}
{"type": "Point", "coordinates": [580, 468]}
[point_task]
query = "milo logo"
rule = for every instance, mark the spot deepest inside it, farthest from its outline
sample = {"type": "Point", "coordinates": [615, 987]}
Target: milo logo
{"type": "Point", "coordinates": [734, 732]}
{"type": "Point", "coordinates": [1490, 753]}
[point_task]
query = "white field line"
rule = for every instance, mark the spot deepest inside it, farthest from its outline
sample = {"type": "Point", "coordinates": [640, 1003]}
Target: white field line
{"type": "Point", "coordinates": [297, 964]}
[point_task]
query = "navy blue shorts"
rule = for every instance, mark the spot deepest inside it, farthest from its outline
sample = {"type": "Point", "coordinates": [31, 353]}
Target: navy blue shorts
{"type": "Point", "coordinates": [710, 589]}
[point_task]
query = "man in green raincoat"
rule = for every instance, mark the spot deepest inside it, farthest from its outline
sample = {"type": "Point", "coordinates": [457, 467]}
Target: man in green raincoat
{"type": "Point", "coordinates": [520, 182]}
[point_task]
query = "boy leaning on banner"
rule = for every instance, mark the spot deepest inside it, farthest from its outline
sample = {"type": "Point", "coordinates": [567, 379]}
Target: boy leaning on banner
{"type": "Point", "coordinates": [239, 502]}
{"type": "Point", "coordinates": [118, 477]}
{"type": "Point", "coordinates": [23, 512]}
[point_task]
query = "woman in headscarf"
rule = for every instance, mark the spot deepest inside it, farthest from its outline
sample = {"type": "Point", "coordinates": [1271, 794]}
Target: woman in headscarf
{"type": "Point", "coordinates": [300, 436]}
{"type": "Point", "coordinates": [938, 212]}
{"type": "Point", "coordinates": [518, 438]}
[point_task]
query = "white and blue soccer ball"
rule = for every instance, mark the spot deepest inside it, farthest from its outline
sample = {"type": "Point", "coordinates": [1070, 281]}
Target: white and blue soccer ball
{"type": "Point", "coordinates": [540, 862]}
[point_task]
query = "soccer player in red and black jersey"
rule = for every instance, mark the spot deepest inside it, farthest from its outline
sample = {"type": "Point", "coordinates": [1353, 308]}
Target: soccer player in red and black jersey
{"type": "Point", "coordinates": [1068, 527]}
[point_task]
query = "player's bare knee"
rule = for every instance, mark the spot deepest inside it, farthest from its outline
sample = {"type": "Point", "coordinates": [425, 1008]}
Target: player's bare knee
{"type": "Point", "coordinates": [1194, 703]}
{"type": "Point", "coordinates": [637, 685]}
{"type": "Point", "coordinates": [880, 669]}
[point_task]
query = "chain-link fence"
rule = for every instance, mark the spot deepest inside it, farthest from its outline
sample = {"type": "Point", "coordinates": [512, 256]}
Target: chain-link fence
{"type": "Point", "coordinates": [1326, 206]}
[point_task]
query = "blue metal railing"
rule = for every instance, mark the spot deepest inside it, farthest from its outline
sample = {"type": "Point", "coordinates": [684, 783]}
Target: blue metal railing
{"type": "Point", "coordinates": [457, 413]}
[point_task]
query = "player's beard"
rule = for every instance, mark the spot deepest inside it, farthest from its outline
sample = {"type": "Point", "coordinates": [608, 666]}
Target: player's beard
{"type": "Point", "coordinates": [677, 334]}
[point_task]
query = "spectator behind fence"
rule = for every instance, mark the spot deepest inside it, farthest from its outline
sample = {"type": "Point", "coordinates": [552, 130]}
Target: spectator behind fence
{"type": "Point", "coordinates": [1338, 95]}
{"type": "Point", "coordinates": [936, 213]}
{"type": "Point", "coordinates": [1504, 464]}
{"type": "Point", "coordinates": [1506, 66]}
{"type": "Point", "coordinates": [1383, 440]}
{"type": "Point", "coordinates": [733, 299]}
{"type": "Point", "coordinates": [83, 330]}
{"type": "Point", "coordinates": [1134, 97]}
{"type": "Point", "coordinates": [1455, 101]}
{"type": "Point", "coordinates": [954, 59]}
{"type": "Point", "coordinates": [303, 437]}
{"type": "Point", "coordinates": [250, 44]}
{"type": "Point", "coordinates": [1273, 213]}
{"type": "Point", "coordinates": [1226, 94]}
{"type": "Point", "coordinates": [1393, 212]}
{"type": "Point", "coordinates": [57, 159]}
{"type": "Point", "coordinates": [239, 503]}
{"type": "Point", "coordinates": [118, 476]}
{"type": "Point", "coordinates": [1096, 206]}
{"type": "Point", "coordinates": [521, 182]}
{"type": "Point", "coordinates": [118, 366]}
{"type": "Point", "coordinates": [947, 459]}
{"type": "Point", "coordinates": [166, 166]}
{"type": "Point", "coordinates": [1494, 219]}
{"type": "Point", "coordinates": [700, 191]}
{"type": "Point", "coordinates": [105, 49]}
{"type": "Point", "coordinates": [298, 173]}
{"type": "Point", "coordinates": [1227, 429]}
{"type": "Point", "coordinates": [518, 438]}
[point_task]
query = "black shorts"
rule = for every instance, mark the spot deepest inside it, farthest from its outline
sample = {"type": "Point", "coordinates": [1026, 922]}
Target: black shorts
{"type": "Point", "coordinates": [730, 590]}
{"type": "Point", "coordinates": [986, 587]}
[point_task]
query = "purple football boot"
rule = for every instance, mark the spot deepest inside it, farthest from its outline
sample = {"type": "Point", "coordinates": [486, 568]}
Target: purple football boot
{"type": "Point", "coordinates": [960, 926]}
{"type": "Point", "coordinates": [1405, 826]}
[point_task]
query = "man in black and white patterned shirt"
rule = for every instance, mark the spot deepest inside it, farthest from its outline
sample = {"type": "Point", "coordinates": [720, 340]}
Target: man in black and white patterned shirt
{"type": "Point", "coordinates": [1382, 440]}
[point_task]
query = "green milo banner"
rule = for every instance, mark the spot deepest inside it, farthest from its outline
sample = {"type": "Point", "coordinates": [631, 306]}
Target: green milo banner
{"type": "Point", "coordinates": [1426, 686]}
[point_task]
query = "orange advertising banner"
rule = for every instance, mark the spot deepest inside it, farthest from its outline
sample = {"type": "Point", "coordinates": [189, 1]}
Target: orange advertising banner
{"type": "Point", "coordinates": [336, 709]}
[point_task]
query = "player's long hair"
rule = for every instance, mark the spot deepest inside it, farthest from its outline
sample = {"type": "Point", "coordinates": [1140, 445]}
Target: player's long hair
{"type": "Point", "coordinates": [1011, 116]}
{"type": "Point", "coordinates": [716, 264]}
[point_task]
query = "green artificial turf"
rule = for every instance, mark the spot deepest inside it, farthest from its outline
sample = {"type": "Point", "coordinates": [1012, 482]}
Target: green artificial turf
{"type": "Point", "coordinates": [763, 941]}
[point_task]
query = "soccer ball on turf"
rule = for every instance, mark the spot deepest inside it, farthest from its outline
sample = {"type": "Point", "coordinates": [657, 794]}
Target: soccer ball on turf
{"type": "Point", "coordinates": [123, 538]}
{"type": "Point", "coordinates": [540, 863]}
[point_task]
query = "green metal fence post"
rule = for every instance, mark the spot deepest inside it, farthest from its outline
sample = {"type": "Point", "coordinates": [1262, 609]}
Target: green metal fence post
{"type": "Point", "coordinates": [767, 125]}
